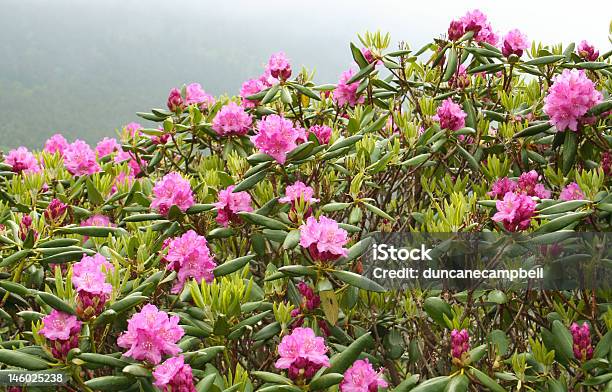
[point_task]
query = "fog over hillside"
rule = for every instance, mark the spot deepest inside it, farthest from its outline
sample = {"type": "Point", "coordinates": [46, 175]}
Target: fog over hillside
{"type": "Point", "coordinates": [84, 68]}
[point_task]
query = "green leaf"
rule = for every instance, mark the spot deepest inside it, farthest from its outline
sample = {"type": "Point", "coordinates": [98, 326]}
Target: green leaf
{"type": "Point", "coordinates": [94, 231]}
{"type": "Point", "coordinates": [128, 303]}
{"type": "Point", "coordinates": [271, 377]}
{"type": "Point", "coordinates": [458, 383]}
{"type": "Point", "coordinates": [345, 359]}
{"type": "Point", "coordinates": [359, 281]}
{"type": "Point", "coordinates": [305, 91]}
{"type": "Point", "coordinates": [564, 206]}
{"type": "Point", "coordinates": [544, 60]}
{"type": "Point", "coordinates": [197, 208]}
{"type": "Point", "coordinates": [22, 360]}
{"type": "Point", "coordinates": [600, 108]}
{"type": "Point", "coordinates": [562, 339]}
{"type": "Point", "coordinates": [101, 359]}
{"type": "Point", "coordinates": [268, 331]}
{"type": "Point", "coordinates": [358, 56]}
{"type": "Point", "coordinates": [93, 195]}
{"type": "Point", "coordinates": [14, 288]}
{"type": "Point", "coordinates": [378, 211]}
{"type": "Point", "coordinates": [416, 160]}
{"type": "Point", "coordinates": [570, 147]}
{"type": "Point", "coordinates": [142, 217]}
{"type": "Point", "coordinates": [330, 207]}
{"type": "Point", "coordinates": [233, 265]}
{"type": "Point", "coordinates": [407, 384]}
{"type": "Point", "coordinates": [136, 370]}
{"type": "Point", "coordinates": [251, 181]}
{"type": "Point", "coordinates": [436, 384]}
{"type": "Point", "coordinates": [346, 142]}
{"type": "Point", "coordinates": [561, 222]}
{"type": "Point", "coordinates": [359, 249]}
{"type": "Point", "coordinates": [487, 381]}
{"type": "Point", "coordinates": [325, 381]}
{"type": "Point", "coordinates": [363, 72]}
{"type": "Point", "coordinates": [56, 303]}
{"type": "Point", "coordinates": [477, 353]}
{"type": "Point", "coordinates": [469, 158]}
{"type": "Point", "coordinates": [437, 308]}
{"type": "Point", "coordinates": [292, 239]}
{"type": "Point", "coordinates": [451, 65]}
{"type": "Point", "coordinates": [534, 130]}
{"type": "Point", "coordinates": [110, 383]}
{"type": "Point", "coordinates": [15, 257]}
{"type": "Point", "coordinates": [270, 94]}
{"type": "Point", "coordinates": [261, 220]}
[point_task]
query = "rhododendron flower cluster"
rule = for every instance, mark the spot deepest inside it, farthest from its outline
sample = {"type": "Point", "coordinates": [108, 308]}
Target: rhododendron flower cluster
{"type": "Point", "coordinates": [55, 210]}
{"type": "Point", "coordinates": [89, 279]}
{"type": "Point", "coordinates": [56, 144]}
{"type": "Point", "coordinates": [195, 94]}
{"type": "Point", "coordinates": [571, 192]}
{"type": "Point", "coordinates": [322, 132]}
{"type": "Point", "coordinates": [302, 353]}
{"type": "Point", "coordinates": [97, 220]}
{"type": "Point", "coordinates": [172, 190]}
{"type": "Point", "coordinates": [581, 336]}
{"type": "Point", "coordinates": [298, 191]}
{"type": "Point", "coordinates": [133, 129]}
{"type": "Point", "coordinates": [62, 329]}
{"type": "Point", "coordinates": [175, 100]}
{"type": "Point", "coordinates": [515, 43]}
{"type": "Point", "coordinates": [232, 120]}
{"type": "Point", "coordinates": [276, 136]}
{"type": "Point", "coordinates": [174, 375]}
{"type": "Point", "coordinates": [230, 204]}
{"type": "Point", "coordinates": [190, 257]}
{"type": "Point", "coordinates": [279, 66]}
{"type": "Point", "coordinates": [80, 159]}
{"type": "Point", "coordinates": [346, 93]}
{"type": "Point", "coordinates": [450, 115]}
{"type": "Point", "coordinates": [474, 21]}
{"type": "Point", "coordinates": [587, 51]}
{"type": "Point", "coordinates": [515, 211]}
{"type": "Point", "coordinates": [528, 184]}
{"type": "Point", "coordinates": [151, 334]}
{"type": "Point", "coordinates": [311, 300]}
{"type": "Point", "coordinates": [107, 146]}
{"type": "Point", "coordinates": [570, 98]}
{"type": "Point", "coordinates": [22, 161]}
{"type": "Point", "coordinates": [249, 88]}
{"type": "Point", "coordinates": [361, 377]}
{"type": "Point", "coordinates": [460, 343]}
{"type": "Point", "coordinates": [323, 238]}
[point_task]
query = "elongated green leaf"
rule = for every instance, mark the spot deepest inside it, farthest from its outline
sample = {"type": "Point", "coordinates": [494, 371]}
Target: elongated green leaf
{"type": "Point", "coordinates": [359, 281]}
{"type": "Point", "coordinates": [233, 265]}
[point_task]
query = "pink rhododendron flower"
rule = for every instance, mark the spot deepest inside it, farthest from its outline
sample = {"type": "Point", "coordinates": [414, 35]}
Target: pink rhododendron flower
{"type": "Point", "coordinates": [298, 191]}
{"type": "Point", "coordinates": [581, 337]}
{"type": "Point", "coordinates": [515, 42]}
{"type": "Point", "coordinates": [587, 51]}
{"type": "Point", "coordinates": [56, 143]}
{"type": "Point", "coordinates": [62, 329]}
{"type": "Point", "coordinates": [302, 353]}
{"type": "Point", "coordinates": [456, 30]}
{"type": "Point", "coordinates": [174, 375]}
{"type": "Point", "coordinates": [150, 334]}
{"type": "Point", "coordinates": [97, 220]}
{"type": "Point", "coordinates": [230, 203]}
{"type": "Point", "coordinates": [501, 187]}
{"type": "Point", "coordinates": [606, 162]}
{"type": "Point", "coordinates": [190, 257]}
{"type": "Point", "coordinates": [529, 185]}
{"type": "Point", "coordinates": [121, 179]}
{"type": "Point", "coordinates": [279, 66]}
{"type": "Point", "coordinates": [515, 211]}
{"type": "Point", "coordinates": [322, 132]}
{"type": "Point", "coordinates": [460, 343]}
{"type": "Point", "coordinates": [361, 377]}
{"type": "Point", "coordinates": [276, 137]}
{"type": "Point", "coordinates": [80, 159]}
{"type": "Point", "coordinates": [324, 239]}
{"type": "Point", "coordinates": [195, 94]}
{"type": "Point", "coordinates": [450, 115]}
{"type": "Point", "coordinates": [250, 87]}
{"type": "Point", "coordinates": [55, 210]}
{"type": "Point", "coordinates": [571, 192]}
{"type": "Point", "coordinates": [128, 156]}
{"type": "Point", "coordinates": [22, 161]}
{"type": "Point", "coordinates": [232, 120]}
{"type": "Point", "coordinates": [175, 100]}
{"type": "Point", "coordinates": [347, 93]}
{"type": "Point", "coordinates": [89, 279]}
{"type": "Point", "coordinates": [133, 129]}
{"type": "Point", "coordinates": [107, 146]}
{"type": "Point", "coordinates": [569, 98]}
{"type": "Point", "coordinates": [477, 22]}
{"type": "Point", "coordinates": [172, 190]}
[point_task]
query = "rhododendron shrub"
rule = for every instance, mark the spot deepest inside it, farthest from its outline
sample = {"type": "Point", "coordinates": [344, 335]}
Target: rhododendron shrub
{"type": "Point", "coordinates": [219, 244]}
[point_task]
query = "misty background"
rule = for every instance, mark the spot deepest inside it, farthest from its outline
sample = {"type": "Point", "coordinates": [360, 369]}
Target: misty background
{"type": "Point", "coordinates": [83, 68]}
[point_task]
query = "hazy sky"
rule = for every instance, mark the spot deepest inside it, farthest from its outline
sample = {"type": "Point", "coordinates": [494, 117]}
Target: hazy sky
{"type": "Point", "coordinates": [85, 67]}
